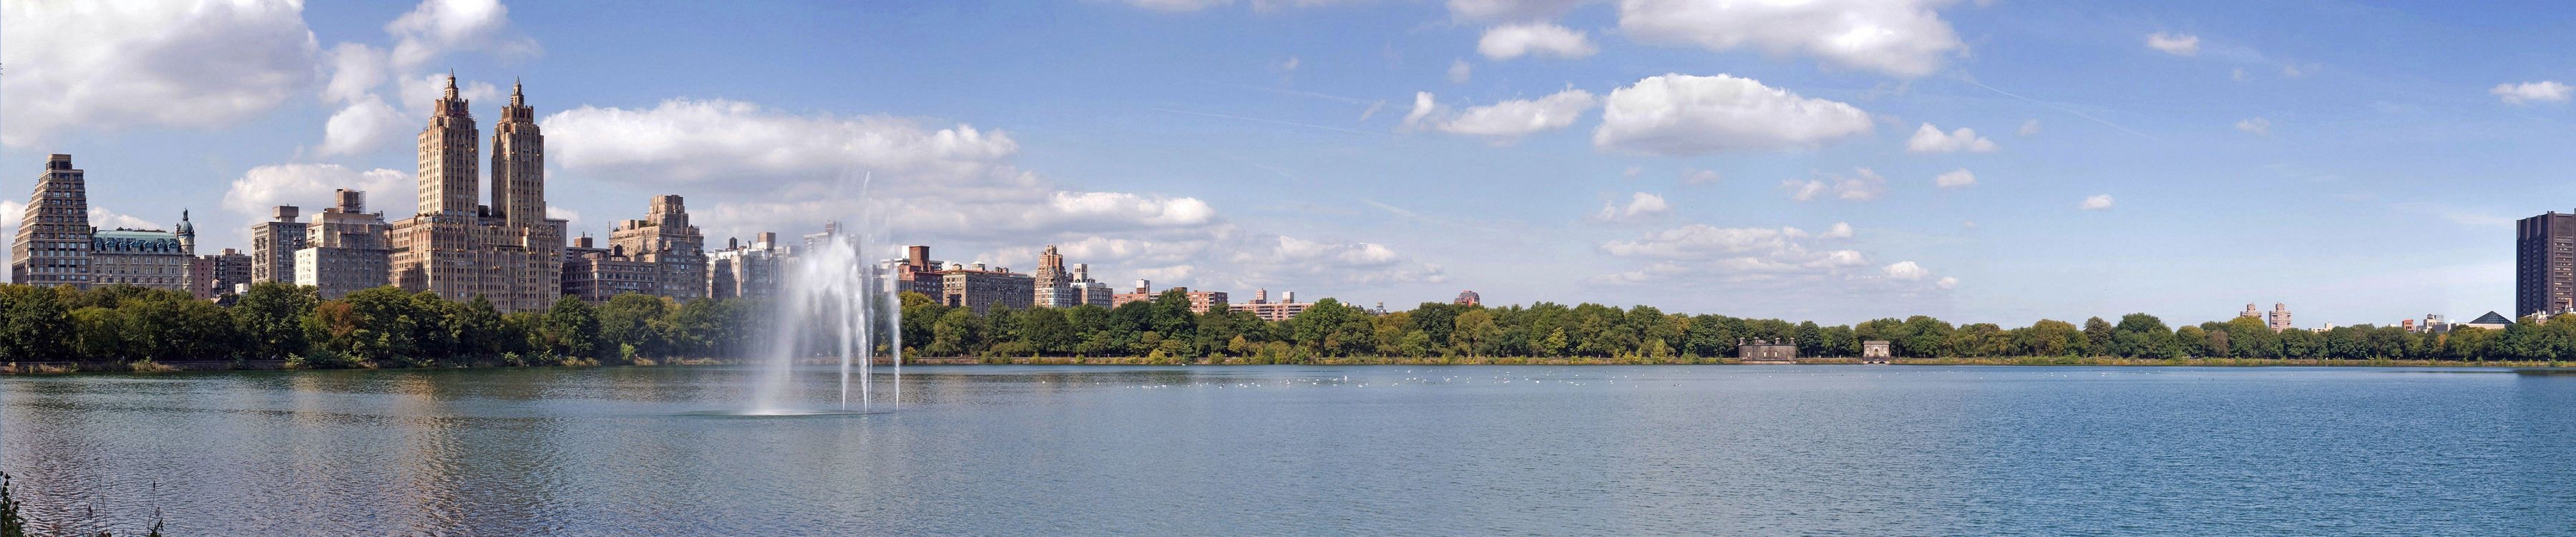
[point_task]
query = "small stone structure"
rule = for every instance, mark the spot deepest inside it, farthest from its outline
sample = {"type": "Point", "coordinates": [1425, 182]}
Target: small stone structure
{"type": "Point", "coordinates": [1875, 350]}
{"type": "Point", "coordinates": [1762, 350]}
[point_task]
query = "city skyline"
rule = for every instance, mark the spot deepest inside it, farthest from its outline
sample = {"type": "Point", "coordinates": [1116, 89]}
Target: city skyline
{"type": "Point", "coordinates": [2259, 168]}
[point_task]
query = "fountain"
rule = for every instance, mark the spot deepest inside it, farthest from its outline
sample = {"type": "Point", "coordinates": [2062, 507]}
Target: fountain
{"type": "Point", "coordinates": [832, 301]}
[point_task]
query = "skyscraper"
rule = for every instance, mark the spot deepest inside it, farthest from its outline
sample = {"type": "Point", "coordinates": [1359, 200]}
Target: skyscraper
{"type": "Point", "coordinates": [345, 249]}
{"type": "Point", "coordinates": [273, 245]}
{"type": "Point", "coordinates": [2544, 255]}
{"type": "Point", "coordinates": [53, 242]}
{"type": "Point", "coordinates": [511, 254]}
{"type": "Point", "coordinates": [1054, 285]}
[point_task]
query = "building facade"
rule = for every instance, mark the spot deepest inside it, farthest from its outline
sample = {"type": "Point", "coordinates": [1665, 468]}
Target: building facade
{"type": "Point", "coordinates": [665, 238]}
{"type": "Point", "coordinates": [346, 248]}
{"type": "Point", "coordinates": [1263, 308]}
{"type": "Point", "coordinates": [918, 273]}
{"type": "Point", "coordinates": [2280, 318]}
{"type": "Point", "coordinates": [214, 275]}
{"type": "Point", "coordinates": [1054, 285]}
{"type": "Point", "coordinates": [2544, 263]}
{"type": "Point", "coordinates": [511, 253]}
{"type": "Point", "coordinates": [52, 247]}
{"type": "Point", "coordinates": [1764, 350]}
{"type": "Point", "coordinates": [982, 289]}
{"type": "Point", "coordinates": [595, 274]}
{"type": "Point", "coordinates": [273, 245]}
{"type": "Point", "coordinates": [1200, 301]}
{"type": "Point", "coordinates": [141, 257]}
{"type": "Point", "coordinates": [746, 270]}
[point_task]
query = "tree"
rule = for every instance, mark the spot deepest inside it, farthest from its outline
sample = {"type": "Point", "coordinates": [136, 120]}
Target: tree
{"type": "Point", "coordinates": [2049, 338]}
{"type": "Point", "coordinates": [34, 325]}
{"type": "Point", "coordinates": [2097, 336]}
{"type": "Point", "coordinates": [571, 329]}
{"type": "Point", "coordinates": [271, 316]}
{"type": "Point", "coordinates": [1475, 333]}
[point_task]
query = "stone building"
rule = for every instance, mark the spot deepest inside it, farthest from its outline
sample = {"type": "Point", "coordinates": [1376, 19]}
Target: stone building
{"type": "Point", "coordinates": [345, 249]}
{"type": "Point", "coordinates": [1089, 292]}
{"type": "Point", "coordinates": [1200, 301]}
{"type": "Point", "coordinates": [665, 238]}
{"type": "Point", "coordinates": [510, 252]}
{"type": "Point", "coordinates": [1054, 286]}
{"type": "Point", "coordinates": [746, 270]}
{"type": "Point", "coordinates": [273, 245]}
{"type": "Point", "coordinates": [1875, 350]}
{"type": "Point", "coordinates": [918, 273]}
{"type": "Point", "coordinates": [143, 257]}
{"type": "Point", "coordinates": [595, 274]}
{"type": "Point", "coordinates": [1765, 350]}
{"type": "Point", "coordinates": [52, 246]}
{"type": "Point", "coordinates": [982, 289]}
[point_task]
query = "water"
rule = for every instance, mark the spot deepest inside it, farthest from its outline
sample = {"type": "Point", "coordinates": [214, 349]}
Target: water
{"type": "Point", "coordinates": [989, 450]}
{"type": "Point", "coordinates": [833, 304]}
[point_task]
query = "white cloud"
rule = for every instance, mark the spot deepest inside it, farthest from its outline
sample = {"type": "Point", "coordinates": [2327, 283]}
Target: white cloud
{"type": "Point", "coordinates": [1862, 185]}
{"type": "Point", "coordinates": [1702, 177]}
{"type": "Point", "coordinates": [570, 217]}
{"type": "Point", "coordinates": [1676, 115]}
{"type": "Point", "coordinates": [437, 27]}
{"type": "Point", "coordinates": [1947, 283]}
{"type": "Point", "coordinates": [363, 126]}
{"type": "Point", "coordinates": [1701, 241]}
{"type": "Point", "coordinates": [1512, 10]}
{"type": "Point", "coordinates": [1905, 270]}
{"type": "Point", "coordinates": [1290, 64]}
{"type": "Point", "coordinates": [2545, 91]}
{"type": "Point", "coordinates": [2029, 128]}
{"type": "Point", "coordinates": [1959, 178]}
{"type": "Point", "coordinates": [356, 70]}
{"type": "Point", "coordinates": [420, 91]}
{"type": "Point", "coordinates": [2096, 203]}
{"type": "Point", "coordinates": [102, 66]}
{"type": "Point", "coordinates": [2258, 126]}
{"type": "Point", "coordinates": [1284, 258]}
{"type": "Point", "coordinates": [1841, 230]}
{"type": "Point", "coordinates": [1507, 119]}
{"type": "Point", "coordinates": [2175, 44]}
{"type": "Point", "coordinates": [1423, 106]}
{"type": "Point", "coordinates": [1898, 37]}
{"type": "Point", "coordinates": [1538, 39]}
{"type": "Point", "coordinates": [310, 186]}
{"type": "Point", "coordinates": [1640, 206]}
{"type": "Point", "coordinates": [103, 218]}
{"type": "Point", "coordinates": [1459, 71]}
{"type": "Point", "coordinates": [1929, 139]}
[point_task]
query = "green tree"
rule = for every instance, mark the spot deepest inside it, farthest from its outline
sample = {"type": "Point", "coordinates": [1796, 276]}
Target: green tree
{"type": "Point", "coordinates": [570, 329]}
{"type": "Point", "coordinates": [271, 315]}
{"type": "Point", "coordinates": [34, 325]}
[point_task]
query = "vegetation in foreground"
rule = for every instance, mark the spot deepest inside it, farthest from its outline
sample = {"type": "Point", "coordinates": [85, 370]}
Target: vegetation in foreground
{"type": "Point", "coordinates": [128, 328]}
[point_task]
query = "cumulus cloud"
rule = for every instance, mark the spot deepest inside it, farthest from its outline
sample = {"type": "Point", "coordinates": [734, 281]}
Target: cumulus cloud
{"type": "Point", "coordinates": [310, 186]}
{"type": "Point", "coordinates": [1459, 71]}
{"type": "Point", "coordinates": [2545, 91]}
{"type": "Point", "coordinates": [1698, 254]}
{"type": "Point", "coordinates": [2028, 128]}
{"type": "Point", "coordinates": [2175, 44]}
{"type": "Point", "coordinates": [438, 27]}
{"type": "Point", "coordinates": [1284, 259]}
{"type": "Point", "coordinates": [1930, 139]}
{"type": "Point", "coordinates": [1905, 270]}
{"type": "Point", "coordinates": [362, 126]}
{"type": "Point", "coordinates": [1507, 119]}
{"type": "Point", "coordinates": [356, 70]}
{"type": "Point", "coordinates": [1640, 206]}
{"type": "Point", "coordinates": [1677, 115]}
{"type": "Point", "coordinates": [2257, 126]}
{"type": "Point", "coordinates": [1534, 39]}
{"type": "Point", "coordinates": [2095, 203]}
{"type": "Point", "coordinates": [1861, 185]}
{"type": "Point", "coordinates": [1905, 38]}
{"type": "Point", "coordinates": [103, 218]}
{"type": "Point", "coordinates": [1959, 178]}
{"type": "Point", "coordinates": [109, 65]}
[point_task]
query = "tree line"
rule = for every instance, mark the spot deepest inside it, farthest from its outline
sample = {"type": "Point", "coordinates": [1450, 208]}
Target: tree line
{"type": "Point", "coordinates": [389, 327]}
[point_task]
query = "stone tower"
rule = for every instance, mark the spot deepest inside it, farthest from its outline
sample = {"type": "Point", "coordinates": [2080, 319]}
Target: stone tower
{"type": "Point", "coordinates": [52, 246]}
{"type": "Point", "coordinates": [447, 174]}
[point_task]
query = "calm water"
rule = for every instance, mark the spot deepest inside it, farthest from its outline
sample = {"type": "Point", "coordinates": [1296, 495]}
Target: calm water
{"type": "Point", "coordinates": [1743, 450]}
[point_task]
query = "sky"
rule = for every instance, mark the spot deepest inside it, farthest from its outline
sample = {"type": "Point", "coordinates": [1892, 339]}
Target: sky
{"type": "Point", "coordinates": [1832, 160]}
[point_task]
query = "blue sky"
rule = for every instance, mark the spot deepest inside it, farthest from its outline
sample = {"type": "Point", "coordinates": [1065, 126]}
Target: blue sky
{"type": "Point", "coordinates": [2359, 161]}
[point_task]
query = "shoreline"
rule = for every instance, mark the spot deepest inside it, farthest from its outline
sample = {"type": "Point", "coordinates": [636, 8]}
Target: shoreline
{"type": "Point", "coordinates": [69, 368]}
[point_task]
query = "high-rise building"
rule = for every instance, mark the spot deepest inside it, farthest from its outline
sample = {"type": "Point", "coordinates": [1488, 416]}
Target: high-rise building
{"type": "Point", "coordinates": [214, 275]}
{"type": "Point", "coordinates": [2544, 255]}
{"type": "Point", "coordinates": [346, 250]}
{"type": "Point", "coordinates": [273, 245]}
{"type": "Point", "coordinates": [1089, 292]}
{"type": "Point", "coordinates": [665, 238]}
{"type": "Point", "coordinates": [509, 253]}
{"type": "Point", "coordinates": [53, 242]}
{"type": "Point", "coordinates": [917, 272]}
{"type": "Point", "coordinates": [746, 270]}
{"type": "Point", "coordinates": [1054, 285]}
{"type": "Point", "coordinates": [2280, 319]}
{"type": "Point", "coordinates": [980, 288]}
